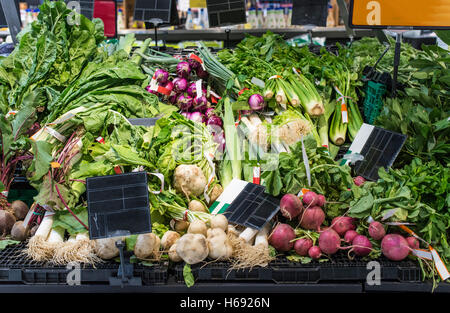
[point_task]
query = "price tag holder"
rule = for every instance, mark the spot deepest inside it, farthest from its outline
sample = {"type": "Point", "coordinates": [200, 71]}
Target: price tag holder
{"type": "Point", "coordinates": [226, 12]}
{"type": "Point", "coordinates": [155, 12]}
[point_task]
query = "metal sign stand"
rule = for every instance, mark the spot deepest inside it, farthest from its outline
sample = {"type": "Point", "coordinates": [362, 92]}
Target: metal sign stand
{"type": "Point", "coordinates": [125, 271]}
{"type": "Point", "coordinates": [398, 46]}
{"type": "Point", "coordinates": [12, 18]}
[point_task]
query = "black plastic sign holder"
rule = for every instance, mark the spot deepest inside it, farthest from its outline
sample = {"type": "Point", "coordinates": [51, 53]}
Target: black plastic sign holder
{"type": "Point", "coordinates": [118, 206]}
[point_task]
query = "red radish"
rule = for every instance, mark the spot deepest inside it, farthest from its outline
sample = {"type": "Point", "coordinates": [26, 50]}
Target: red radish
{"type": "Point", "coordinates": [329, 241]}
{"type": "Point", "coordinates": [361, 245]}
{"type": "Point", "coordinates": [376, 230]}
{"type": "Point", "coordinates": [395, 247]}
{"type": "Point", "coordinates": [310, 198]}
{"type": "Point", "coordinates": [321, 200]}
{"type": "Point", "coordinates": [281, 237]}
{"type": "Point", "coordinates": [359, 180]}
{"type": "Point", "coordinates": [291, 206]}
{"type": "Point", "coordinates": [341, 224]}
{"type": "Point", "coordinates": [350, 235]}
{"type": "Point", "coordinates": [314, 252]}
{"type": "Point", "coordinates": [302, 246]}
{"type": "Point", "coordinates": [413, 242]}
{"type": "Point", "coordinates": [312, 218]}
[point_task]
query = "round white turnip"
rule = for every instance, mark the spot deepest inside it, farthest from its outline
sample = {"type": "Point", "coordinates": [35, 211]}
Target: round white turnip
{"type": "Point", "coordinates": [197, 206]}
{"type": "Point", "coordinates": [198, 227]}
{"type": "Point", "coordinates": [168, 239]}
{"type": "Point", "coordinates": [189, 180]}
{"type": "Point", "coordinates": [192, 248]}
{"type": "Point", "coordinates": [219, 221]}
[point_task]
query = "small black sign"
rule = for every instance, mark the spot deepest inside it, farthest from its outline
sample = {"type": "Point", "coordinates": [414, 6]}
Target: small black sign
{"type": "Point", "coordinates": [226, 12]}
{"type": "Point", "coordinates": [118, 205]}
{"type": "Point", "coordinates": [153, 11]}
{"type": "Point", "coordinates": [310, 12]}
{"type": "Point", "coordinates": [252, 207]}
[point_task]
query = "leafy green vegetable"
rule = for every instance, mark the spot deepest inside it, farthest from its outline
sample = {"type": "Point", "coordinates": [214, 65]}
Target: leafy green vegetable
{"type": "Point", "coordinates": [189, 279]}
{"type": "Point", "coordinates": [7, 242]}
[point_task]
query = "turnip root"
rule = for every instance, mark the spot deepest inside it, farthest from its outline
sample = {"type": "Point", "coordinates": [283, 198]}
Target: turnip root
{"type": "Point", "coordinates": [312, 218]}
{"type": "Point", "coordinates": [341, 224]}
{"type": "Point", "coordinates": [350, 235]}
{"type": "Point", "coordinates": [361, 245]}
{"type": "Point", "coordinates": [291, 206]}
{"type": "Point", "coordinates": [215, 193]}
{"type": "Point", "coordinates": [38, 248]}
{"type": "Point", "coordinates": [314, 252]}
{"type": "Point", "coordinates": [145, 245]}
{"type": "Point", "coordinates": [20, 209]}
{"type": "Point", "coordinates": [106, 249]}
{"type": "Point", "coordinates": [198, 227]}
{"type": "Point", "coordinates": [18, 232]}
{"type": "Point", "coordinates": [181, 226]}
{"type": "Point", "coordinates": [7, 221]}
{"type": "Point", "coordinates": [413, 242]}
{"type": "Point", "coordinates": [219, 245]}
{"type": "Point", "coordinates": [376, 230]}
{"type": "Point", "coordinates": [197, 206]}
{"type": "Point", "coordinates": [77, 249]}
{"type": "Point", "coordinates": [302, 246]}
{"type": "Point", "coordinates": [310, 199]}
{"type": "Point", "coordinates": [321, 200]}
{"type": "Point", "coordinates": [168, 239]}
{"type": "Point", "coordinates": [329, 241]}
{"type": "Point", "coordinates": [192, 248]}
{"type": "Point", "coordinates": [395, 247]}
{"type": "Point", "coordinates": [173, 256]}
{"type": "Point", "coordinates": [219, 221]}
{"type": "Point", "coordinates": [281, 237]}
{"type": "Point", "coordinates": [189, 180]}
{"type": "Point", "coordinates": [232, 231]}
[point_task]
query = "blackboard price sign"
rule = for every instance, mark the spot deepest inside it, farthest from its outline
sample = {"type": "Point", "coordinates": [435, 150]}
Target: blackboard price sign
{"type": "Point", "coordinates": [310, 12]}
{"type": "Point", "coordinates": [226, 12]}
{"type": "Point", "coordinates": [153, 11]}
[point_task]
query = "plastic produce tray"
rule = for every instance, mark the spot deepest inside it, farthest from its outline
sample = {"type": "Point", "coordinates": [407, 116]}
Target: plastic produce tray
{"type": "Point", "coordinates": [339, 268]}
{"type": "Point", "coordinates": [17, 268]}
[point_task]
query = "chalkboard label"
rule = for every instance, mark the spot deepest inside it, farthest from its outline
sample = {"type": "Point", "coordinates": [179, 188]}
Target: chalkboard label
{"type": "Point", "coordinates": [228, 12]}
{"type": "Point", "coordinates": [154, 11]}
{"type": "Point", "coordinates": [310, 12]}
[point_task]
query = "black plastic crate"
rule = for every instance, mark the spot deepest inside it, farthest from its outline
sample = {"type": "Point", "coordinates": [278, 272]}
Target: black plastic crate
{"type": "Point", "coordinates": [17, 268]}
{"type": "Point", "coordinates": [339, 268]}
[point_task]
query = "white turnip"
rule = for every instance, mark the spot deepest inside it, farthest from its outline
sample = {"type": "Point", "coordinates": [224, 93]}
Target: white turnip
{"type": "Point", "coordinates": [215, 193]}
{"type": "Point", "coordinates": [281, 237]}
{"type": "Point", "coordinates": [314, 252]}
{"type": "Point", "coordinates": [361, 245]}
{"type": "Point", "coordinates": [219, 245]}
{"type": "Point", "coordinates": [106, 248]}
{"type": "Point", "coordinates": [173, 256]}
{"type": "Point", "coordinates": [219, 221]}
{"type": "Point", "coordinates": [181, 226]}
{"type": "Point", "coordinates": [312, 218]}
{"type": "Point", "coordinates": [189, 179]}
{"type": "Point", "coordinates": [192, 248]}
{"type": "Point", "coordinates": [342, 224]}
{"type": "Point", "coordinates": [395, 247]}
{"type": "Point", "coordinates": [197, 206]}
{"type": "Point", "coordinates": [413, 242]}
{"type": "Point", "coordinates": [376, 230]}
{"type": "Point", "coordinates": [168, 239]}
{"type": "Point", "coordinates": [310, 199]}
{"type": "Point", "coordinates": [350, 235]}
{"type": "Point", "coordinates": [291, 206]}
{"type": "Point", "coordinates": [198, 227]}
{"type": "Point", "coordinates": [145, 245]}
{"type": "Point", "coordinates": [329, 241]}
{"type": "Point", "coordinates": [302, 246]}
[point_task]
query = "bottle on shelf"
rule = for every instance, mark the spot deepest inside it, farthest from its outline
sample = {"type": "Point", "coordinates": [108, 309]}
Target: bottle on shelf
{"type": "Point", "coordinates": [189, 20]}
{"type": "Point", "coordinates": [120, 21]}
{"type": "Point", "coordinates": [251, 18]}
{"type": "Point", "coordinates": [260, 18]}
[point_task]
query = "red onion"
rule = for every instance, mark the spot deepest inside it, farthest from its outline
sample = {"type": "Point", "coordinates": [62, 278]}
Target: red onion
{"type": "Point", "coordinates": [179, 84]}
{"type": "Point", "coordinates": [183, 69]}
{"type": "Point", "coordinates": [161, 76]}
{"type": "Point", "coordinates": [184, 102]}
{"type": "Point", "coordinates": [214, 120]}
{"type": "Point", "coordinates": [256, 102]}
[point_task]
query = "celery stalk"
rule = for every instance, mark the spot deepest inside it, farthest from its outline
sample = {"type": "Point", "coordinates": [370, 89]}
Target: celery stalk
{"type": "Point", "coordinates": [232, 140]}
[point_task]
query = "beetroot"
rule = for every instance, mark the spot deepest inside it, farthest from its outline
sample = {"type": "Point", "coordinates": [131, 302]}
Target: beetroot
{"type": "Point", "coordinates": [321, 200]}
{"type": "Point", "coordinates": [329, 241]}
{"type": "Point", "coordinates": [310, 198]}
{"type": "Point", "coordinates": [314, 252]}
{"type": "Point", "coordinates": [350, 235]}
{"type": "Point", "coordinates": [7, 221]}
{"type": "Point", "coordinates": [291, 206]}
{"type": "Point", "coordinates": [281, 237]}
{"type": "Point", "coordinates": [341, 224]}
{"type": "Point", "coordinates": [395, 247]}
{"type": "Point", "coordinates": [413, 242]}
{"type": "Point", "coordinates": [361, 245]}
{"type": "Point", "coordinates": [359, 180]}
{"type": "Point", "coordinates": [376, 230]}
{"type": "Point", "coordinates": [302, 246]}
{"type": "Point", "coordinates": [312, 218]}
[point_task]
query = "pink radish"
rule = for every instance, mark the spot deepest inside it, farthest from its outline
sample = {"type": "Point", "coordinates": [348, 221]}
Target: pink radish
{"type": "Point", "coordinates": [321, 200]}
{"type": "Point", "coordinates": [302, 246]}
{"type": "Point", "coordinates": [310, 198]}
{"type": "Point", "coordinates": [359, 180]}
{"type": "Point", "coordinates": [395, 247]}
{"type": "Point", "coordinates": [314, 252]}
{"type": "Point", "coordinates": [281, 237]}
{"type": "Point", "coordinates": [312, 218]}
{"type": "Point", "coordinates": [341, 224]}
{"type": "Point", "coordinates": [350, 235]}
{"type": "Point", "coordinates": [413, 242]}
{"type": "Point", "coordinates": [376, 230]}
{"type": "Point", "coordinates": [361, 245]}
{"type": "Point", "coordinates": [291, 206]}
{"type": "Point", "coordinates": [329, 241]}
